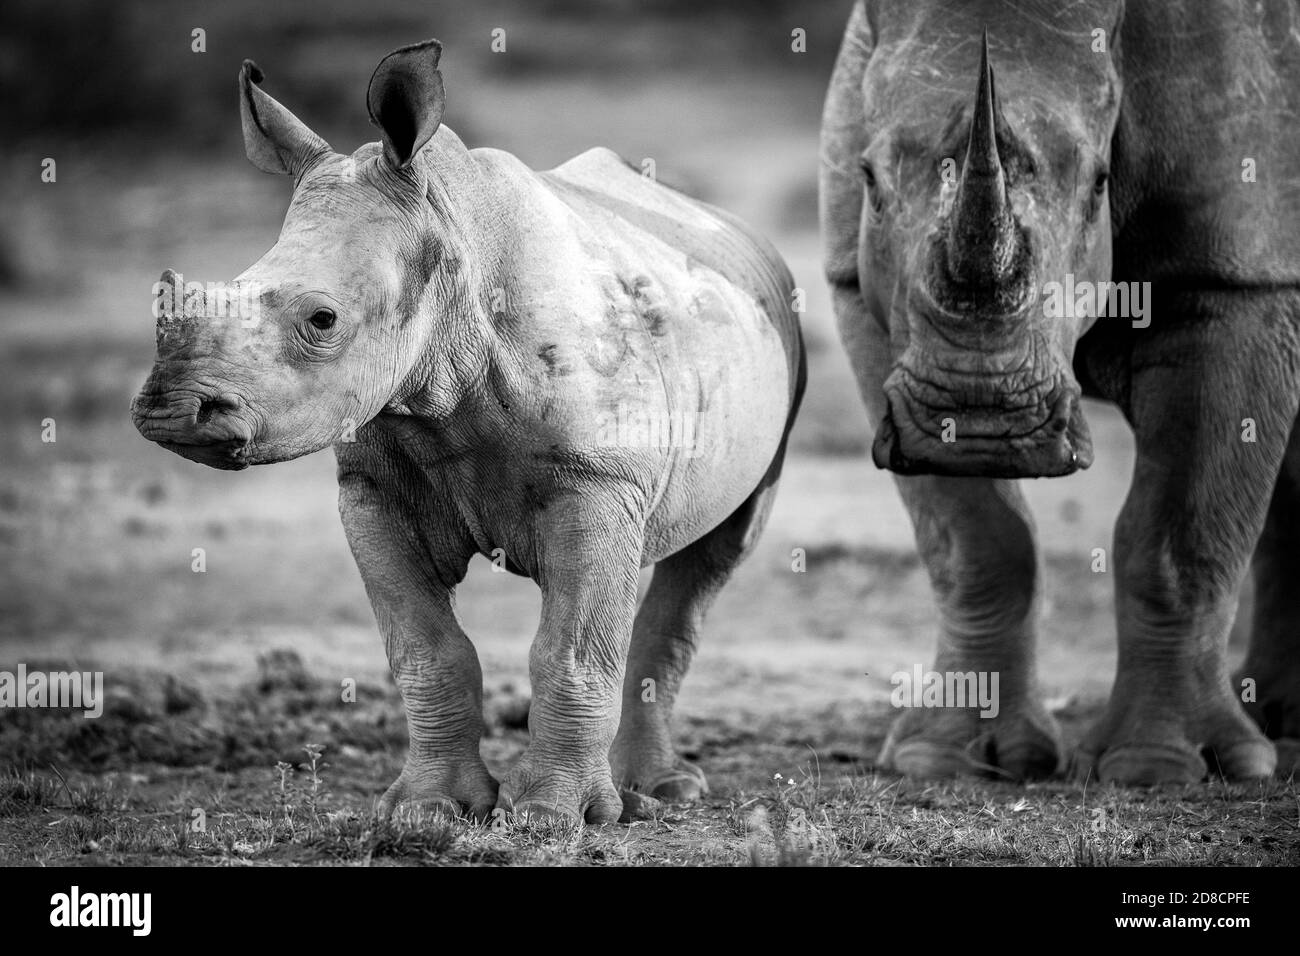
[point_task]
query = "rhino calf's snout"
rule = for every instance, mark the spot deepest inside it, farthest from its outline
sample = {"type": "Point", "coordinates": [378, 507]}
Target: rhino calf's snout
{"type": "Point", "coordinates": [201, 425]}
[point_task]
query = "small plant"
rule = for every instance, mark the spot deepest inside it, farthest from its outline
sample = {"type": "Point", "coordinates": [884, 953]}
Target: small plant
{"type": "Point", "coordinates": [284, 794]}
{"type": "Point", "coordinates": [314, 766]}
{"type": "Point", "coordinates": [292, 798]}
{"type": "Point", "coordinates": [787, 820]}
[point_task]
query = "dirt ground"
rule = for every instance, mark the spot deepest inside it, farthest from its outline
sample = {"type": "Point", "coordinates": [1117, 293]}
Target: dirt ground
{"type": "Point", "coordinates": [221, 684]}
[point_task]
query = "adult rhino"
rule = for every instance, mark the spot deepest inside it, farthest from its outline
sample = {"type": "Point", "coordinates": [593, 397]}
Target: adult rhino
{"type": "Point", "coordinates": [577, 372]}
{"type": "Point", "coordinates": [1090, 141]}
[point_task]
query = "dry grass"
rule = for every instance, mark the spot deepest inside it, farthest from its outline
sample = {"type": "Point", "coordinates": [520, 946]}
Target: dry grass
{"type": "Point", "coordinates": [301, 793]}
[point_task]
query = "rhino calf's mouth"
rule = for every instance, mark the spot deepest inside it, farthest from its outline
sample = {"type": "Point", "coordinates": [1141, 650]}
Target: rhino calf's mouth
{"type": "Point", "coordinates": [208, 430]}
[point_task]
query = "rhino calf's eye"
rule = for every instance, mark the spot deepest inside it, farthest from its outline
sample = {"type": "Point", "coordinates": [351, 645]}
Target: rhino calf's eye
{"type": "Point", "coordinates": [322, 319]}
{"type": "Point", "coordinates": [1099, 184]}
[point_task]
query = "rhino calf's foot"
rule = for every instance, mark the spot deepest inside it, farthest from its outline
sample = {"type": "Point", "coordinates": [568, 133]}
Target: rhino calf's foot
{"type": "Point", "coordinates": [534, 794]}
{"type": "Point", "coordinates": [638, 806]}
{"type": "Point", "coordinates": [642, 757]}
{"type": "Point", "coordinates": [468, 790]}
{"type": "Point", "coordinates": [675, 779]}
{"type": "Point", "coordinates": [664, 638]}
{"type": "Point", "coordinates": [1022, 744]}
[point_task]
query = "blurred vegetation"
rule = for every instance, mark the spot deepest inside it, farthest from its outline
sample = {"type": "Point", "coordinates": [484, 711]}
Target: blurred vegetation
{"type": "Point", "coordinates": [126, 67]}
{"type": "Point", "coordinates": [115, 91]}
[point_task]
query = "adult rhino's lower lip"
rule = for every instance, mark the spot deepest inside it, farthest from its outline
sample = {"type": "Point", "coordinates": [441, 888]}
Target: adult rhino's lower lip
{"type": "Point", "coordinates": [979, 447]}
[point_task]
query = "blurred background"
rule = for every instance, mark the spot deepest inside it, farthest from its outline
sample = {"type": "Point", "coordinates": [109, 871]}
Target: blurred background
{"type": "Point", "coordinates": [97, 528]}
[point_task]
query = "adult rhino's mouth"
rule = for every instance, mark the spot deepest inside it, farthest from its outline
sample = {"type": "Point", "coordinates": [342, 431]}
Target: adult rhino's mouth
{"type": "Point", "coordinates": [982, 428]}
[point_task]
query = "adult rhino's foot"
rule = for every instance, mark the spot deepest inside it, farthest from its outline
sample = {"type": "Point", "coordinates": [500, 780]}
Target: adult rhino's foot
{"type": "Point", "coordinates": [1138, 744]}
{"type": "Point", "coordinates": [1023, 743]}
{"type": "Point", "coordinates": [1275, 709]}
{"type": "Point", "coordinates": [1288, 757]}
{"type": "Point", "coordinates": [540, 787]}
{"type": "Point", "coordinates": [467, 788]}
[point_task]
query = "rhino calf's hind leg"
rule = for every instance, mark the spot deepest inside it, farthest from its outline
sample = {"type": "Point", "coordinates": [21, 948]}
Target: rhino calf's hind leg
{"type": "Point", "coordinates": [976, 537]}
{"type": "Point", "coordinates": [664, 638]}
{"type": "Point", "coordinates": [1273, 662]}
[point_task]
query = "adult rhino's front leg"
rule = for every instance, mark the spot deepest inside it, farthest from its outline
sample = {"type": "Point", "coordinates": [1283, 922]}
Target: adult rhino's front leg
{"type": "Point", "coordinates": [1271, 671]}
{"type": "Point", "coordinates": [589, 561]}
{"type": "Point", "coordinates": [1201, 488]}
{"type": "Point", "coordinates": [976, 537]}
{"type": "Point", "coordinates": [432, 661]}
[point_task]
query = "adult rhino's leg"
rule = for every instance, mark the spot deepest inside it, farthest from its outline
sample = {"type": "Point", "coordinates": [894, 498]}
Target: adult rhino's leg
{"type": "Point", "coordinates": [664, 638]}
{"type": "Point", "coordinates": [432, 661]}
{"type": "Point", "coordinates": [1201, 489]}
{"type": "Point", "coordinates": [976, 537]}
{"type": "Point", "coordinates": [590, 562]}
{"type": "Point", "coordinates": [1273, 662]}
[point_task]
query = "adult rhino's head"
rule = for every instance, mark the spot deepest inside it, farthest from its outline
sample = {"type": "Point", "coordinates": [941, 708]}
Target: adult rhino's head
{"type": "Point", "coordinates": [980, 189]}
{"type": "Point", "coordinates": [321, 333]}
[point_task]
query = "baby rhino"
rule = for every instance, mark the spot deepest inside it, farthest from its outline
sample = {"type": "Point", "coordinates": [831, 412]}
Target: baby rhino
{"type": "Point", "coordinates": [577, 373]}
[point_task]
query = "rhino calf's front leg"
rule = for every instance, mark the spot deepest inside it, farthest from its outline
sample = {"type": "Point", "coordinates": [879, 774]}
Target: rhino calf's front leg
{"type": "Point", "coordinates": [432, 660]}
{"type": "Point", "coordinates": [589, 564]}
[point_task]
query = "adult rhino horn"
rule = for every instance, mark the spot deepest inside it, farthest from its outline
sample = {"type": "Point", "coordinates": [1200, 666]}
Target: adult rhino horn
{"type": "Point", "coordinates": [982, 233]}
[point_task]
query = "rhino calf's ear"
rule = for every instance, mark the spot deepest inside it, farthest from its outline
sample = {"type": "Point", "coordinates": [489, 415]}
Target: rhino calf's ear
{"type": "Point", "coordinates": [406, 99]}
{"type": "Point", "coordinates": [276, 141]}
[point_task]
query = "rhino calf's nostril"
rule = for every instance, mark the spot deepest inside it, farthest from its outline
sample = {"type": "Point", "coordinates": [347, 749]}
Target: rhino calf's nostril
{"type": "Point", "coordinates": [210, 406]}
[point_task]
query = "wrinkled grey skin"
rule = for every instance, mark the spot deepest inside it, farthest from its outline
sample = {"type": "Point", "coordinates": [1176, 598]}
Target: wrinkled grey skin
{"type": "Point", "coordinates": [488, 322]}
{"type": "Point", "coordinates": [937, 298]}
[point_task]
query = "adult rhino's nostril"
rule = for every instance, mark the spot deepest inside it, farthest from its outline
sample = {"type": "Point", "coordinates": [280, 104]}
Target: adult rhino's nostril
{"type": "Point", "coordinates": [222, 404]}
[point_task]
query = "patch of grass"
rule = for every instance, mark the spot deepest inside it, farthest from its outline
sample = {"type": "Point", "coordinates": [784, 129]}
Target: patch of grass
{"type": "Point", "coordinates": [23, 793]}
{"type": "Point", "coordinates": [161, 719]}
{"type": "Point", "coordinates": [30, 792]}
{"type": "Point", "coordinates": [291, 777]}
{"type": "Point", "coordinates": [862, 820]}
